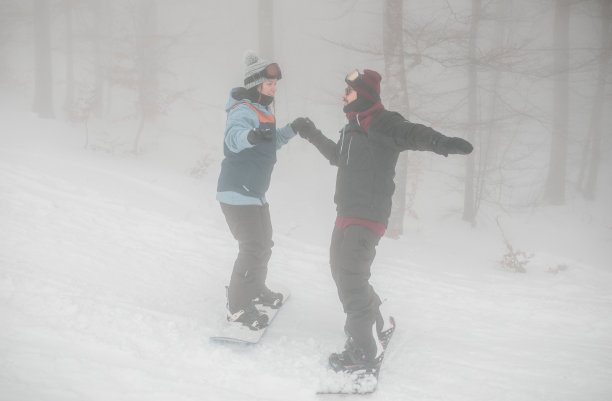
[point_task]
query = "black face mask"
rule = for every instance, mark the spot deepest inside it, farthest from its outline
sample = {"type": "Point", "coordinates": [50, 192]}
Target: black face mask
{"type": "Point", "coordinates": [265, 100]}
{"type": "Point", "coordinates": [358, 105]}
{"type": "Point", "coordinates": [256, 97]}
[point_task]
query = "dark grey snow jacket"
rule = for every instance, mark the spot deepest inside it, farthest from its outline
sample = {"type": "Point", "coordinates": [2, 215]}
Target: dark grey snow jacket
{"type": "Point", "coordinates": [366, 161]}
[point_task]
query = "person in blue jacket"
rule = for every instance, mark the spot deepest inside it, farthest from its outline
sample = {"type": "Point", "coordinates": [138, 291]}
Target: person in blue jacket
{"type": "Point", "coordinates": [250, 142]}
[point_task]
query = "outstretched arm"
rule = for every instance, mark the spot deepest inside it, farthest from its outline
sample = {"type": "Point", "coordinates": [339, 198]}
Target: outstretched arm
{"type": "Point", "coordinates": [327, 147]}
{"type": "Point", "coordinates": [283, 135]}
{"type": "Point", "coordinates": [412, 136]}
{"type": "Point", "coordinates": [307, 130]}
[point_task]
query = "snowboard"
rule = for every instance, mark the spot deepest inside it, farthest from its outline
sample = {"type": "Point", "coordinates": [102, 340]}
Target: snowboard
{"type": "Point", "coordinates": [237, 333]}
{"type": "Point", "coordinates": [358, 382]}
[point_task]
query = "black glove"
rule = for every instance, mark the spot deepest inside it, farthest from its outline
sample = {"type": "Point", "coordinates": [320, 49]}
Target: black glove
{"type": "Point", "coordinates": [303, 126]}
{"type": "Point", "coordinates": [457, 146]}
{"type": "Point", "coordinates": [257, 135]}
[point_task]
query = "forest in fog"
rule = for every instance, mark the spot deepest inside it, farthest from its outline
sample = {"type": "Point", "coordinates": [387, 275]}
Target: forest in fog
{"type": "Point", "coordinates": [115, 254]}
{"type": "Point", "coordinates": [526, 81]}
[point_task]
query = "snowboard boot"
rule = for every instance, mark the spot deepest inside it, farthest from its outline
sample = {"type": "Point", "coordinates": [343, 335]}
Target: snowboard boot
{"type": "Point", "coordinates": [250, 316]}
{"type": "Point", "coordinates": [355, 359]}
{"type": "Point", "coordinates": [269, 298]}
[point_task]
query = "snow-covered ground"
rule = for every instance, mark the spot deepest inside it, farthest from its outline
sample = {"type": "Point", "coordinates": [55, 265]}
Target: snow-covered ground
{"type": "Point", "coordinates": [112, 274]}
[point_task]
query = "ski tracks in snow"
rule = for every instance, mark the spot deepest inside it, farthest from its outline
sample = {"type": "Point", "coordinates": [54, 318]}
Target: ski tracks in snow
{"type": "Point", "coordinates": [110, 285]}
{"type": "Point", "coordinates": [103, 297]}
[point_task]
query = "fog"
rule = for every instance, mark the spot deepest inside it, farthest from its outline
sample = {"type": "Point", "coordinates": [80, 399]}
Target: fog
{"type": "Point", "coordinates": [114, 253]}
{"type": "Point", "coordinates": [150, 77]}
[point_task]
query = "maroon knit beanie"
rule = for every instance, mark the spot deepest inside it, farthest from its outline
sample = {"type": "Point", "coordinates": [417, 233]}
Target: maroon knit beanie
{"type": "Point", "coordinates": [368, 85]}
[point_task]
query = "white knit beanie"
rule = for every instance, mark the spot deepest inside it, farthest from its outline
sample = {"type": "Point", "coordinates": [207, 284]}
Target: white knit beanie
{"type": "Point", "coordinates": [254, 66]}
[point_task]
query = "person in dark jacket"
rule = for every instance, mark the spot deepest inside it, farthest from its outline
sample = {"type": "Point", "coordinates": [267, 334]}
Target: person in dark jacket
{"type": "Point", "coordinates": [250, 142]}
{"type": "Point", "coordinates": [366, 155]}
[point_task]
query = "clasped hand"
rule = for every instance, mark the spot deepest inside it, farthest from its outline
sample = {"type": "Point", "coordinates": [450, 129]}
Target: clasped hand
{"type": "Point", "coordinates": [303, 126]}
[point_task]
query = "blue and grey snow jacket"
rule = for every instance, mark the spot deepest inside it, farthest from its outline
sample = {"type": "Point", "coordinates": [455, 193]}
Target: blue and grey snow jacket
{"type": "Point", "coordinates": [246, 169]}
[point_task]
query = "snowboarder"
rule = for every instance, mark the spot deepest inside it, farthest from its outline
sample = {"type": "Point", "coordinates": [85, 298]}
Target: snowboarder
{"type": "Point", "coordinates": [366, 155]}
{"type": "Point", "coordinates": [249, 145]}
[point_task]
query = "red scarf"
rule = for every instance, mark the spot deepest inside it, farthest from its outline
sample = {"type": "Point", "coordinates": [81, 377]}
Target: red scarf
{"type": "Point", "coordinates": [364, 118]}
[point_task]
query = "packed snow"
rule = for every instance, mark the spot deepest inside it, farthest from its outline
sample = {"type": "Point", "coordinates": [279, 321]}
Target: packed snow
{"type": "Point", "coordinates": [113, 267]}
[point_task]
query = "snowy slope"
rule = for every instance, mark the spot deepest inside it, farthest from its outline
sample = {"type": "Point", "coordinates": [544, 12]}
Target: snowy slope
{"type": "Point", "coordinates": [112, 275]}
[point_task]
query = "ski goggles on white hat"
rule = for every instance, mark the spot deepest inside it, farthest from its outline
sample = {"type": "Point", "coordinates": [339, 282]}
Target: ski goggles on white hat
{"type": "Point", "coordinates": [272, 71]}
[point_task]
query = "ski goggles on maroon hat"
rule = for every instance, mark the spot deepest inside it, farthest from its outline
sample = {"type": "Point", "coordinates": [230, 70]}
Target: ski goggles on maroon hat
{"type": "Point", "coordinates": [355, 80]}
{"type": "Point", "coordinates": [353, 76]}
{"type": "Point", "coordinates": [272, 71]}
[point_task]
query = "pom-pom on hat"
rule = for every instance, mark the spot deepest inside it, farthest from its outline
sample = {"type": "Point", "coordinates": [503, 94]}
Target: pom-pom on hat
{"type": "Point", "coordinates": [257, 70]}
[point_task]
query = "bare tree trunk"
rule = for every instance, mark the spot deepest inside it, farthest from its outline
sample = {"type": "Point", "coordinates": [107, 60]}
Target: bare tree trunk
{"type": "Point", "coordinates": [108, 93]}
{"type": "Point", "coordinates": [595, 128]}
{"type": "Point", "coordinates": [489, 149]}
{"type": "Point", "coordinates": [147, 64]}
{"type": "Point", "coordinates": [69, 96]}
{"type": "Point", "coordinates": [555, 182]}
{"type": "Point", "coordinates": [5, 30]}
{"type": "Point", "coordinates": [469, 207]}
{"type": "Point", "coordinates": [266, 29]}
{"type": "Point", "coordinates": [397, 99]}
{"type": "Point", "coordinates": [43, 82]}
{"type": "Point", "coordinates": [100, 39]}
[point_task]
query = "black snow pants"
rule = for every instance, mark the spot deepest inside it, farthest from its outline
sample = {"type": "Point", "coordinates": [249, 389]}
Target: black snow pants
{"type": "Point", "coordinates": [352, 252]}
{"type": "Point", "coordinates": [252, 228]}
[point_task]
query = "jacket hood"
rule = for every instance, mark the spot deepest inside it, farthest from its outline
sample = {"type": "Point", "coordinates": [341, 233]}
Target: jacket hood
{"type": "Point", "coordinates": [241, 95]}
{"type": "Point", "coordinates": [237, 95]}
